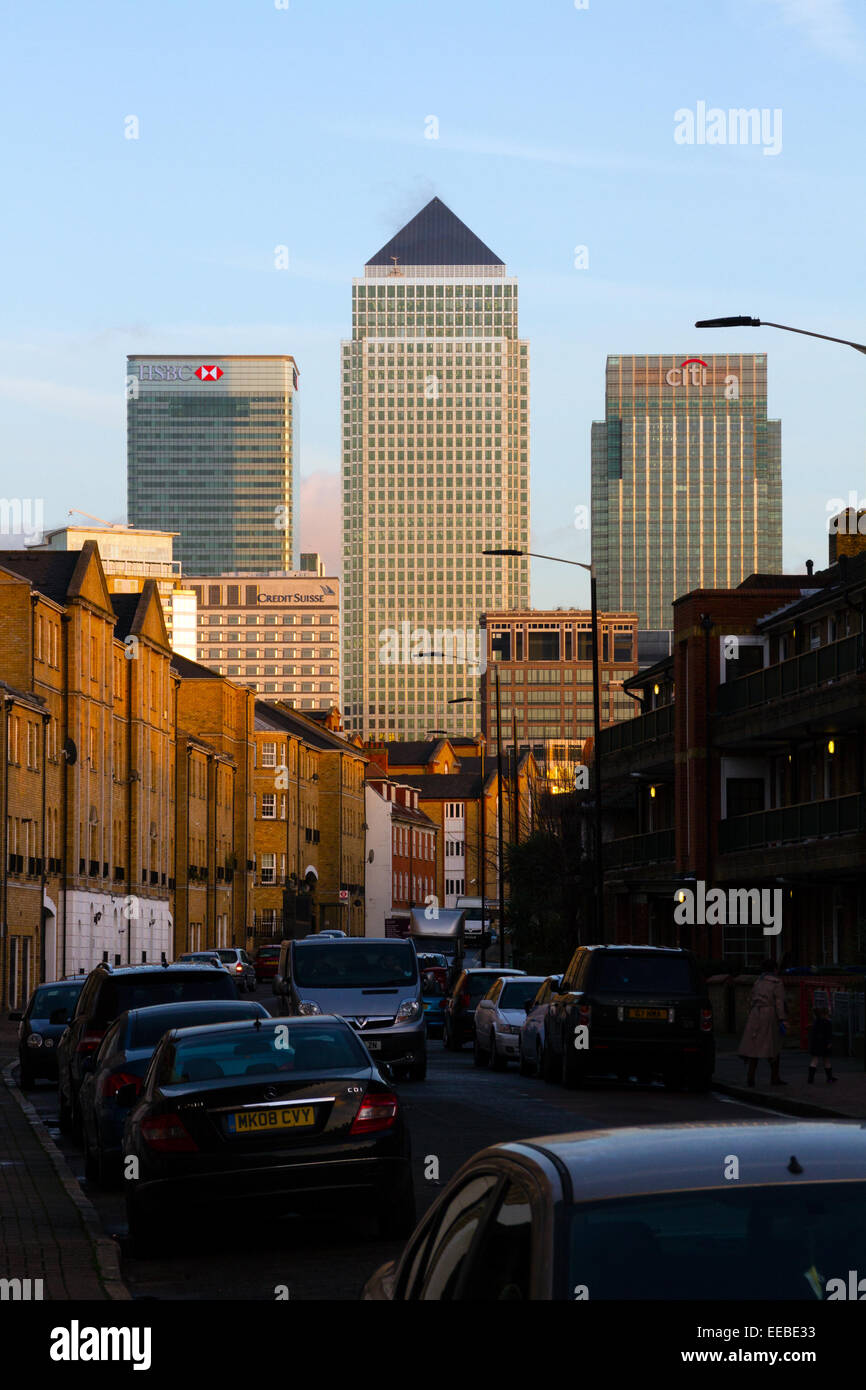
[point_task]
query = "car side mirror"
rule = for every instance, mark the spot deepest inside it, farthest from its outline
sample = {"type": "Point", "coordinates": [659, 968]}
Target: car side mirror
{"type": "Point", "coordinates": [528, 1005]}
{"type": "Point", "coordinates": [58, 1016]}
{"type": "Point", "coordinates": [127, 1095]}
{"type": "Point", "coordinates": [15, 1016]}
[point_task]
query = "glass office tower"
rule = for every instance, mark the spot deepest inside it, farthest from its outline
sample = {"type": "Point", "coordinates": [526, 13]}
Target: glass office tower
{"type": "Point", "coordinates": [212, 455]}
{"type": "Point", "coordinates": [686, 480]}
{"type": "Point", "coordinates": [435, 470]}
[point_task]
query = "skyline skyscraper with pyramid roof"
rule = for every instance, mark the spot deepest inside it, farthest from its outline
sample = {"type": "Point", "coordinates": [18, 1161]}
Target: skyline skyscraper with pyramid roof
{"type": "Point", "coordinates": [435, 461]}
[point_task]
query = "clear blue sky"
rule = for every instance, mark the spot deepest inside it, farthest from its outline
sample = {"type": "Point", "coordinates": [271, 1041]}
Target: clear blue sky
{"type": "Point", "coordinates": [305, 127]}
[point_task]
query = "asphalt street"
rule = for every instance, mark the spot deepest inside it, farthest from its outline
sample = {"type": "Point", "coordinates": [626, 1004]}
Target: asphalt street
{"type": "Point", "coordinates": [457, 1111]}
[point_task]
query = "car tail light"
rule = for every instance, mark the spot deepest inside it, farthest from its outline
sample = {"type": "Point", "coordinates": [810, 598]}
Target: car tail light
{"type": "Point", "coordinates": [584, 1014]}
{"type": "Point", "coordinates": [706, 1020]}
{"type": "Point", "coordinates": [167, 1134]}
{"type": "Point", "coordinates": [377, 1111]}
{"type": "Point", "coordinates": [113, 1083]}
{"type": "Point", "coordinates": [89, 1042]}
{"type": "Point", "coordinates": [238, 968]}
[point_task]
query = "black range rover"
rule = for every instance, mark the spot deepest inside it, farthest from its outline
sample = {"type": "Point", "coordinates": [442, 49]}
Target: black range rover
{"type": "Point", "coordinates": [632, 1011]}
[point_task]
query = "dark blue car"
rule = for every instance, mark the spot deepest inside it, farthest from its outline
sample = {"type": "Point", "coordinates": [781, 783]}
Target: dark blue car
{"type": "Point", "coordinates": [41, 1026]}
{"type": "Point", "coordinates": [123, 1060]}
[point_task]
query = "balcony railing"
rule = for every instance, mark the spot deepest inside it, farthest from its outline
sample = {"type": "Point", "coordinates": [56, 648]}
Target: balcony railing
{"type": "Point", "coordinates": [809, 820]}
{"type": "Point", "coordinates": [638, 849]}
{"type": "Point", "coordinates": [657, 723]}
{"type": "Point", "coordinates": [798, 673]}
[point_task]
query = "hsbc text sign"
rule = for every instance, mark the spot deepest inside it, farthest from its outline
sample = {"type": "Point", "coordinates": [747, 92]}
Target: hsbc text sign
{"type": "Point", "coordinates": [172, 371]}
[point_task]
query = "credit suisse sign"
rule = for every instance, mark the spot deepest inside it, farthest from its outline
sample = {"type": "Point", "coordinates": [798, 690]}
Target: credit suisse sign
{"type": "Point", "coordinates": [172, 371]}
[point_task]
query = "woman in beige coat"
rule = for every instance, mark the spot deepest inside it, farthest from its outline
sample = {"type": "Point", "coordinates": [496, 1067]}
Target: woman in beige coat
{"type": "Point", "coordinates": [761, 1035]}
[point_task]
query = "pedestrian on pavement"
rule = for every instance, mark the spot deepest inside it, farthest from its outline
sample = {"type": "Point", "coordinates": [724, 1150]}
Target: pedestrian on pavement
{"type": "Point", "coordinates": [821, 1043]}
{"type": "Point", "coordinates": [765, 1024]}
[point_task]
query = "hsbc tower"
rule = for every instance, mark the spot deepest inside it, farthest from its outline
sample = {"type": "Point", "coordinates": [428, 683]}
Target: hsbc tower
{"type": "Point", "coordinates": [212, 455]}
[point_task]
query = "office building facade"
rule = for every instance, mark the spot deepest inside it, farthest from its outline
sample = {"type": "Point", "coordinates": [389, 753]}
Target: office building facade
{"type": "Point", "coordinates": [212, 455]}
{"type": "Point", "coordinates": [686, 480]}
{"type": "Point", "coordinates": [278, 633]}
{"type": "Point", "coordinates": [435, 389]}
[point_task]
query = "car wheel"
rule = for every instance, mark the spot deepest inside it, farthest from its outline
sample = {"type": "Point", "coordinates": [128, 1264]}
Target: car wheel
{"type": "Point", "coordinates": [397, 1220]}
{"type": "Point", "coordinates": [27, 1080]}
{"type": "Point", "coordinates": [479, 1056]}
{"type": "Point", "coordinates": [702, 1079]}
{"type": "Point", "coordinates": [674, 1079]}
{"type": "Point", "coordinates": [524, 1068]}
{"type": "Point", "coordinates": [64, 1117]}
{"type": "Point", "coordinates": [495, 1059]}
{"type": "Point", "coordinates": [92, 1165]}
{"type": "Point", "coordinates": [548, 1065]}
{"type": "Point", "coordinates": [418, 1070]}
{"type": "Point", "coordinates": [148, 1236]}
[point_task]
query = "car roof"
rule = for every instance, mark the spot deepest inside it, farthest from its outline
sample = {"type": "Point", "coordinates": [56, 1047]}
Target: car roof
{"type": "Point", "coordinates": [654, 1159]}
{"type": "Point", "coordinates": [645, 950]}
{"type": "Point", "coordinates": [194, 1006]}
{"type": "Point", "coordinates": [498, 971]}
{"type": "Point", "coordinates": [52, 984]}
{"type": "Point", "coordinates": [256, 1025]}
{"type": "Point", "coordinates": [114, 971]}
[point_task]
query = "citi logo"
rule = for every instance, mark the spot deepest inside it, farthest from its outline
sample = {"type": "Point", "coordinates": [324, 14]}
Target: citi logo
{"type": "Point", "coordinates": [209, 373]}
{"type": "Point", "coordinates": [697, 376]}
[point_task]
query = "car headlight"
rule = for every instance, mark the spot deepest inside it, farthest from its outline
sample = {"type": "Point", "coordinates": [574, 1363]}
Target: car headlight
{"type": "Point", "coordinates": [49, 1042]}
{"type": "Point", "coordinates": [308, 1006]}
{"type": "Point", "coordinates": [409, 1009]}
{"type": "Point", "coordinates": [35, 1040]}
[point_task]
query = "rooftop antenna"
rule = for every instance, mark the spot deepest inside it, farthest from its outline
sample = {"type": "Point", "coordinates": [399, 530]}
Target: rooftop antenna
{"type": "Point", "coordinates": [395, 269]}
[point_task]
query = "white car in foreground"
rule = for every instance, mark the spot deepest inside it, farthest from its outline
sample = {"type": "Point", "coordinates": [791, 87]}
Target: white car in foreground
{"type": "Point", "coordinates": [499, 1017]}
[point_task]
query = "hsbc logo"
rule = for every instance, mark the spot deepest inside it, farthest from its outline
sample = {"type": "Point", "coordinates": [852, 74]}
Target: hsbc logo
{"type": "Point", "coordinates": [170, 371]}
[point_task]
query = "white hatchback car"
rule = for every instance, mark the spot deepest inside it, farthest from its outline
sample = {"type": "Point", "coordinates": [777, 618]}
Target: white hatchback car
{"type": "Point", "coordinates": [499, 1016]}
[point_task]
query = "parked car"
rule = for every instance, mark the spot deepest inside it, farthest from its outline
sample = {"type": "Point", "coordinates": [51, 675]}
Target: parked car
{"type": "Point", "coordinates": [123, 1060]}
{"type": "Point", "coordinates": [644, 1213]}
{"type": "Point", "coordinates": [201, 958]}
{"type": "Point", "coordinates": [292, 1113]}
{"type": "Point", "coordinates": [459, 1006]}
{"type": "Point", "coordinates": [40, 1027]}
{"type": "Point", "coordinates": [533, 1030]}
{"type": "Point", "coordinates": [266, 962]}
{"type": "Point", "coordinates": [371, 982]}
{"type": "Point", "coordinates": [645, 1010]}
{"type": "Point", "coordinates": [238, 964]}
{"type": "Point", "coordinates": [499, 1017]}
{"type": "Point", "coordinates": [107, 993]}
{"type": "Point", "coordinates": [330, 931]}
{"type": "Point", "coordinates": [434, 984]}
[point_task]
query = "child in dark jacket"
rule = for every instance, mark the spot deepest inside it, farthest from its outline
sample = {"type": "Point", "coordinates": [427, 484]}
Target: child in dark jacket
{"type": "Point", "coordinates": [821, 1043]}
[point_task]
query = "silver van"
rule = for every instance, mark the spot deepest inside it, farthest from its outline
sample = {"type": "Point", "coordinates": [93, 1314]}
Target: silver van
{"type": "Point", "coordinates": [372, 982]}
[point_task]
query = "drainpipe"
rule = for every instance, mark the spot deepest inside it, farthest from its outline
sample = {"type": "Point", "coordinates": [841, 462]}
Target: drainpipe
{"type": "Point", "coordinates": [132, 917]}
{"type": "Point", "coordinates": [46, 719]}
{"type": "Point", "coordinates": [64, 799]}
{"type": "Point", "coordinates": [707, 625]}
{"type": "Point", "coordinates": [7, 705]}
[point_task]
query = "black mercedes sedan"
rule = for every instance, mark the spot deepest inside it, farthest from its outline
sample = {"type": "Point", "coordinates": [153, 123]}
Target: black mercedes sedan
{"type": "Point", "coordinates": [42, 1025]}
{"type": "Point", "coordinates": [753, 1211]}
{"type": "Point", "coordinates": [294, 1111]}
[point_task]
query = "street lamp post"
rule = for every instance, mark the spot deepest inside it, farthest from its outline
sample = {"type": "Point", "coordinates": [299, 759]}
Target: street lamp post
{"type": "Point", "coordinates": [744, 321]}
{"type": "Point", "coordinates": [482, 835]}
{"type": "Point", "coordinates": [596, 720]}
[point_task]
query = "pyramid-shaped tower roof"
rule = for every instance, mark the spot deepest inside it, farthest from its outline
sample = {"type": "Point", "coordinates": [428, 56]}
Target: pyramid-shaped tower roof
{"type": "Point", "coordinates": [435, 237]}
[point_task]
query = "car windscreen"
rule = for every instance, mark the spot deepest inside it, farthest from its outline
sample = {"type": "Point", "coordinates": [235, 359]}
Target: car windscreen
{"type": "Point", "coordinates": [269, 953]}
{"type": "Point", "coordinates": [275, 1051]}
{"type": "Point", "coordinates": [478, 985]}
{"type": "Point", "coordinates": [165, 987]}
{"type": "Point", "coordinates": [344, 966]}
{"type": "Point", "coordinates": [227, 956]}
{"type": "Point", "coordinates": [785, 1241]}
{"type": "Point", "coordinates": [147, 1027]}
{"type": "Point", "coordinates": [59, 996]}
{"type": "Point", "coordinates": [515, 994]}
{"type": "Point", "coordinates": [620, 973]}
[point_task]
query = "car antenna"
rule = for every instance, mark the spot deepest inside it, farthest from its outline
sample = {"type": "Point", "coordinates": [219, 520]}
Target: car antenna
{"type": "Point", "coordinates": [258, 1024]}
{"type": "Point", "coordinates": [794, 1166]}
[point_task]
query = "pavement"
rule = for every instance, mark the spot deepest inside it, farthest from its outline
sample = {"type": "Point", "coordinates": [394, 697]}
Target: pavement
{"type": "Point", "coordinates": [49, 1229]}
{"type": "Point", "coordinates": [844, 1100]}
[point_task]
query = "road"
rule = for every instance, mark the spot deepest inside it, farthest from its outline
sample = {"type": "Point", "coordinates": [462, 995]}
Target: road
{"type": "Point", "coordinates": [455, 1112]}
